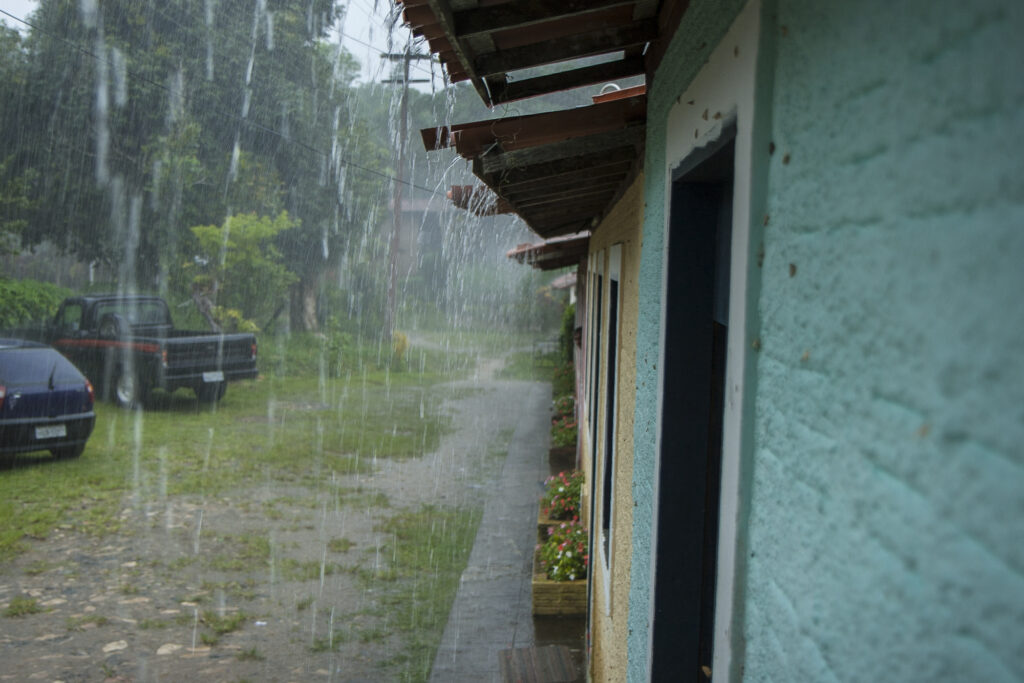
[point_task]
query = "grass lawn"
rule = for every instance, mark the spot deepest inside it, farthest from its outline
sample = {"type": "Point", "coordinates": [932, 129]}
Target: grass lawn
{"type": "Point", "coordinates": [293, 429]}
{"type": "Point", "coordinates": [279, 428]}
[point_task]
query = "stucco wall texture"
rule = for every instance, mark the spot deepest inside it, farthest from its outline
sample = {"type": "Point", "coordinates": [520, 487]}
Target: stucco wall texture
{"type": "Point", "coordinates": [608, 624]}
{"type": "Point", "coordinates": [887, 520]}
{"type": "Point", "coordinates": [886, 517]}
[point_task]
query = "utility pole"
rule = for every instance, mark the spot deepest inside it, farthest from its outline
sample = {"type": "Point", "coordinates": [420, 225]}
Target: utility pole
{"type": "Point", "coordinates": [403, 133]}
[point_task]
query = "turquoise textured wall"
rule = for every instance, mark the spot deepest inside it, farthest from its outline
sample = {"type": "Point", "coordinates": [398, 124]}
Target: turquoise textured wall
{"type": "Point", "coordinates": [886, 530]}
{"type": "Point", "coordinates": [704, 24]}
{"type": "Point", "coordinates": [886, 520]}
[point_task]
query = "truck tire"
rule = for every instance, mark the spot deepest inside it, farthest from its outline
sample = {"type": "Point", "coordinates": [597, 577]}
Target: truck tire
{"type": "Point", "coordinates": [211, 392]}
{"type": "Point", "coordinates": [129, 391]}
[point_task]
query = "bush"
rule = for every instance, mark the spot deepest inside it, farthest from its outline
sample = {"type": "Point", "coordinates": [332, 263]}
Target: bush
{"type": "Point", "coordinates": [563, 431]}
{"type": "Point", "coordinates": [565, 405]}
{"type": "Point", "coordinates": [23, 302]}
{"type": "Point", "coordinates": [563, 380]}
{"type": "Point", "coordinates": [562, 492]}
{"type": "Point", "coordinates": [565, 336]}
{"type": "Point", "coordinates": [563, 555]}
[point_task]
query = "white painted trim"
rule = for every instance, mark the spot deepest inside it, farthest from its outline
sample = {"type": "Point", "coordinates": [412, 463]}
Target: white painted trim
{"type": "Point", "coordinates": [724, 89]}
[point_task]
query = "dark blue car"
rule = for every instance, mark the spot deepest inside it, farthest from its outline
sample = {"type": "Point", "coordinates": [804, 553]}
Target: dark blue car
{"type": "Point", "coordinates": [46, 404]}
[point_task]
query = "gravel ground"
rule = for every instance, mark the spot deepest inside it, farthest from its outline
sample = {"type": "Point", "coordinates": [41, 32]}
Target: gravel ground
{"type": "Point", "coordinates": [139, 605]}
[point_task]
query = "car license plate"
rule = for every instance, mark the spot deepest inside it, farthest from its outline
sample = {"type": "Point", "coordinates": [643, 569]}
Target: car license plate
{"type": "Point", "coordinates": [51, 432]}
{"type": "Point", "coordinates": [213, 376]}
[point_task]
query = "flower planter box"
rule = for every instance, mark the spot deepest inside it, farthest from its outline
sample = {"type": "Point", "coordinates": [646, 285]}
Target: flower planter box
{"type": "Point", "coordinates": [561, 458]}
{"type": "Point", "coordinates": [557, 598]}
{"type": "Point", "coordinates": [543, 522]}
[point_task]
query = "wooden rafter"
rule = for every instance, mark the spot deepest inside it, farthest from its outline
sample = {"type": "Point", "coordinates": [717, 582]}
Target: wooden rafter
{"type": "Point", "coordinates": [625, 141]}
{"type": "Point", "coordinates": [598, 42]}
{"type": "Point", "coordinates": [502, 90]}
{"type": "Point", "coordinates": [515, 15]}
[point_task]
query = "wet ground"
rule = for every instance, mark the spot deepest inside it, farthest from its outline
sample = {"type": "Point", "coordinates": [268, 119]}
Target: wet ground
{"type": "Point", "coordinates": [138, 606]}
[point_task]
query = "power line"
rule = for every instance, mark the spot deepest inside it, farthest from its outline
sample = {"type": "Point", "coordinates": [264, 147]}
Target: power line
{"type": "Point", "coordinates": [256, 125]}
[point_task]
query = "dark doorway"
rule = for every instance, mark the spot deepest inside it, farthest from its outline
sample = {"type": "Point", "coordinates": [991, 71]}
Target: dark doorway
{"type": "Point", "coordinates": [693, 386]}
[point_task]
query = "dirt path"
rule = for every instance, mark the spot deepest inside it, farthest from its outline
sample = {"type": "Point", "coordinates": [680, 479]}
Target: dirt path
{"type": "Point", "coordinates": [146, 603]}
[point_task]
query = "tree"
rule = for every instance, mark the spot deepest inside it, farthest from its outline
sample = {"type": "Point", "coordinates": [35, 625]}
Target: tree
{"type": "Point", "coordinates": [239, 268]}
{"type": "Point", "coordinates": [132, 120]}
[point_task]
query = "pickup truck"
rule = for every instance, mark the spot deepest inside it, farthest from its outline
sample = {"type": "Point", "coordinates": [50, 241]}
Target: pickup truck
{"type": "Point", "coordinates": [127, 346]}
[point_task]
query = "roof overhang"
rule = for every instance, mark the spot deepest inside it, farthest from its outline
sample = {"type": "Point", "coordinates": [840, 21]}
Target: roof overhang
{"type": "Point", "coordinates": [553, 254]}
{"type": "Point", "coordinates": [559, 171]}
{"type": "Point", "coordinates": [488, 41]}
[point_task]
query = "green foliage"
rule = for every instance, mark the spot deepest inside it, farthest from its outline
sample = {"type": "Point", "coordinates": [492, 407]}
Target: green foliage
{"type": "Point", "coordinates": [14, 204]}
{"type": "Point", "coordinates": [22, 605]}
{"type": "Point", "coordinates": [340, 545]}
{"type": "Point", "coordinates": [563, 379]}
{"type": "Point", "coordinates": [231, 320]}
{"type": "Point", "coordinates": [251, 654]}
{"type": "Point", "coordinates": [563, 554]}
{"type": "Point", "coordinates": [285, 427]}
{"type": "Point", "coordinates": [564, 405]}
{"type": "Point", "coordinates": [431, 550]}
{"type": "Point", "coordinates": [562, 495]}
{"type": "Point", "coordinates": [24, 302]}
{"type": "Point", "coordinates": [565, 337]}
{"type": "Point", "coordinates": [240, 265]}
{"type": "Point", "coordinates": [121, 121]}
{"type": "Point", "coordinates": [563, 431]}
{"type": "Point", "coordinates": [223, 624]}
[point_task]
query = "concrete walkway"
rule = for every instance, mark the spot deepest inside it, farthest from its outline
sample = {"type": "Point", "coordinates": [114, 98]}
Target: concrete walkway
{"type": "Point", "coordinates": [492, 609]}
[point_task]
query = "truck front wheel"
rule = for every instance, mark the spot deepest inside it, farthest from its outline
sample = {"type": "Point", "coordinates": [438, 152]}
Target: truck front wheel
{"type": "Point", "coordinates": [211, 392]}
{"type": "Point", "coordinates": [129, 392]}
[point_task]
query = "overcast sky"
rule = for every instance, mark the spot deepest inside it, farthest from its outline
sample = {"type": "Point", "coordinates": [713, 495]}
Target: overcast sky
{"type": "Point", "coordinates": [364, 34]}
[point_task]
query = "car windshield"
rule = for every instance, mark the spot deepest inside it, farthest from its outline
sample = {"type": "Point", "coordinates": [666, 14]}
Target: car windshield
{"type": "Point", "coordinates": [29, 365]}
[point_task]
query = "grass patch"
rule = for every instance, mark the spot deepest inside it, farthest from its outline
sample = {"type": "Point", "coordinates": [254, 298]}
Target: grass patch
{"type": "Point", "coordinates": [219, 625]}
{"type": "Point", "coordinates": [37, 567]}
{"type": "Point", "coordinates": [527, 365]}
{"type": "Point", "coordinates": [284, 428]}
{"type": "Point", "coordinates": [430, 550]}
{"type": "Point", "coordinates": [244, 590]}
{"type": "Point", "coordinates": [339, 545]}
{"type": "Point", "coordinates": [240, 552]}
{"type": "Point", "coordinates": [296, 570]}
{"type": "Point", "coordinates": [153, 624]}
{"type": "Point", "coordinates": [83, 622]}
{"type": "Point", "coordinates": [22, 605]}
{"type": "Point", "coordinates": [251, 654]}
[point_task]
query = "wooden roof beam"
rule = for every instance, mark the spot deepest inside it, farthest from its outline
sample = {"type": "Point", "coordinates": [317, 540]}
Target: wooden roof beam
{"type": "Point", "coordinates": [565, 195]}
{"type": "Point", "coordinates": [516, 132]}
{"type": "Point", "coordinates": [619, 144]}
{"type": "Point", "coordinates": [606, 182]}
{"type": "Point", "coordinates": [584, 199]}
{"type": "Point", "coordinates": [562, 165]}
{"type": "Point", "coordinates": [502, 90]}
{"type": "Point", "coordinates": [444, 18]}
{"type": "Point", "coordinates": [597, 42]}
{"type": "Point", "coordinates": [512, 15]}
{"type": "Point", "coordinates": [615, 168]}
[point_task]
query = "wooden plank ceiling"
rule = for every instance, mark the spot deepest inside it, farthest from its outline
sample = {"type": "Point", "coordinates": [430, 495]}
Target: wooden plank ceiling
{"type": "Point", "coordinates": [559, 171]}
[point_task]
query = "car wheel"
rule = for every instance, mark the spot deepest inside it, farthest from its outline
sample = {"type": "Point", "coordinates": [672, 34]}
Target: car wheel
{"type": "Point", "coordinates": [211, 392]}
{"type": "Point", "coordinates": [128, 390]}
{"type": "Point", "coordinates": [68, 452]}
